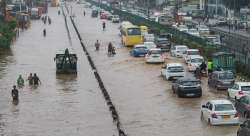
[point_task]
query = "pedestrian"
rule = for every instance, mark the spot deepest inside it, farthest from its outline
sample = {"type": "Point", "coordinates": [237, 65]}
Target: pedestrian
{"type": "Point", "coordinates": [30, 79]}
{"type": "Point", "coordinates": [97, 45]}
{"type": "Point", "coordinates": [49, 20]}
{"type": "Point", "coordinates": [209, 67]}
{"type": "Point", "coordinates": [14, 93]}
{"type": "Point", "coordinates": [20, 81]}
{"type": "Point", "coordinates": [44, 32]}
{"type": "Point", "coordinates": [113, 51]}
{"type": "Point", "coordinates": [59, 12]}
{"type": "Point", "coordinates": [103, 25]}
{"type": "Point", "coordinates": [36, 80]}
{"type": "Point", "coordinates": [84, 13]}
{"type": "Point", "coordinates": [110, 49]}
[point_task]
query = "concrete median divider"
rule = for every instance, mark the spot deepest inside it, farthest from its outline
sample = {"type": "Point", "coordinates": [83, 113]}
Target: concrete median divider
{"type": "Point", "coordinates": [110, 104]}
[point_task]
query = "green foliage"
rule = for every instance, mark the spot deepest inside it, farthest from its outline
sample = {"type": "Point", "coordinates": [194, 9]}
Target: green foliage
{"type": "Point", "coordinates": [7, 33]}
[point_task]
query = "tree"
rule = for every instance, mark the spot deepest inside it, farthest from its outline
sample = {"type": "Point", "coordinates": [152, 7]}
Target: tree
{"type": "Point", "coordinates": [235, 4]}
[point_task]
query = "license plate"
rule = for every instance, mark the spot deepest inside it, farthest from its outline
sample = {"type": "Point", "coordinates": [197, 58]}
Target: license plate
{"type": "Point", "coordinates": [226, 116]}
{"type": "Point", "coordinates": [191, 94]}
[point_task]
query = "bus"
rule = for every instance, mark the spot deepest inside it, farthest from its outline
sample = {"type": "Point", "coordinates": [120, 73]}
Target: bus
{"type": "Point", "coordinates": [131, 35]}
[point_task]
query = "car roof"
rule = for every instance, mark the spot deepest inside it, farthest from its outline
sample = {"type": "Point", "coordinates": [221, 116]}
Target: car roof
{"type": "Point", "coordinates": [180, 46]}
{"type": "Point", "coordinates": [243, 83]}
{"type": "Point", "coordinates": [148, 42]}
{"type": "Point", "coordinates": [220, 101]}
{"type": "Point", "coordinates": [196, 56]}
{"type": "Point", "coordinates": [140, 45]}
{"type": "Point", "coordinates": [193, 50]}
{"type": "Point", "coordinates": [155, 49]}
{"type": "Point", "coordinates": [188, 79]}
{"type": "Point", "coordinates": [174, 64]}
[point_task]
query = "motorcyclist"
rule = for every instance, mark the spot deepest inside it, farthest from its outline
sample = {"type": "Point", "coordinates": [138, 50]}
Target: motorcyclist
{"type": "Point", "coordinates": [20, 81]}
{"type": "Point", "coordinates": [203, 67]}
{"type": "Point", "coordinates": [14, 93]}
{"type": "Point", "coordinates": [44, 32]}
{"type": "Point", "coordinates": [210, 67]}
{"type": "Point", "coordinates": [97, 45]}
{"type": "Point", "coordinates": [197, 73]}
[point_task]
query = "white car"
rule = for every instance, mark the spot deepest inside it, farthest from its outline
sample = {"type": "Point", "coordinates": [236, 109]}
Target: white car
{"type": "Point", "coordinates": [115, 19]}
{"type": "Point", "coordinates": [150, 45]}
{"type": "Point", "coordinates": [193, 32]}
{"type": "Point", "coordinates": [172, 70]}
{"type": "Point", "coordinates": [239, 89]}
{"type": "Point", "coordinates": [154, 55]}
{"type": "Point", "coordinates": [178, 50]}
{"type": "Point", "coordinates": [194, 62]}
{"type": "Point", "coordinates": [203, 29]}
{"type": "Point", "coordinates": [149, 37]}
{"type": "Point", "coordinates": [220, 112]}
{"type": "Point", "coordinates": [182, 28]}
{"type": "Point", "coordinates": [189, 53]}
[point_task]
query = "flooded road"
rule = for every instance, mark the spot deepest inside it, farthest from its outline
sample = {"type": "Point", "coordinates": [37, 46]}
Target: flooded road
{"type": "Point", "coordinates": [145, 102]}
{"type": "Point", "coordinates": [62, 105]}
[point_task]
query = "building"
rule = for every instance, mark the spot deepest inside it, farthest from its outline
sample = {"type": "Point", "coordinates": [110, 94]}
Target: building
{"type": "Point", "coordinates": [214, 7]}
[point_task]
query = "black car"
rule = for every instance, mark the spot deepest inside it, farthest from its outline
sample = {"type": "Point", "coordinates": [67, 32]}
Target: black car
{"type": "Point", "coordinates": [163, 43]}
{"type": "Point", "coordinates": [187, 87]}
{"type": "Point", "coordinates": [244, 129]}
{"type": "Point", "coordinates": [94, 13]}
{"type": "Point", "coordinates": [242, 105]}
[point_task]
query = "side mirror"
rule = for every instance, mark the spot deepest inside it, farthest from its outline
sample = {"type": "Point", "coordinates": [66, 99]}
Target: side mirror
{"type": "Point", "coordinates": [204, 106]}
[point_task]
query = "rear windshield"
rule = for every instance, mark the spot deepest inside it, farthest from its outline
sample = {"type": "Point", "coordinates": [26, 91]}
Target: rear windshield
{"type": "Point", "coordinates": [176, 69]}
{"type": "Point", "coordinates": [134, 31]}
{"type": "Point", "coordinates": [223, 107]}
{"type": "Point", "coordinates": [193, 53]}
{"type": "Point", "coordinates": [197, 60]}
{"type": "Point", "coordinates": [226, 76]}
{"type": "Point", "coordinates": [190, 83]}
{"type": "Point", "coordinates": [182, 48]}
{"type": "Point", "coordinates": [245, 88]}
{"type": "Point", "coordinates": [163, 41]}
{"type": "Point", "coordinates": [155, 52]}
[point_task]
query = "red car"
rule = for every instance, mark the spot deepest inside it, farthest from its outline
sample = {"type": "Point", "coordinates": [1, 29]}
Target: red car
{"type": "Point", "coordinates": [104, 15]}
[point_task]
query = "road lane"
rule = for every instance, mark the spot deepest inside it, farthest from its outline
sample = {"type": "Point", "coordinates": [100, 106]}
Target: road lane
{"type": "Point", "coordinates": [144, 100]}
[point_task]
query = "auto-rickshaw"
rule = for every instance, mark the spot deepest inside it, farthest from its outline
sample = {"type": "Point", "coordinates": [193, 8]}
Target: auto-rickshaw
{"type": "Point", "coordinates": [223, 61]}
{"type": "Point", "coordinates": [66, 63]}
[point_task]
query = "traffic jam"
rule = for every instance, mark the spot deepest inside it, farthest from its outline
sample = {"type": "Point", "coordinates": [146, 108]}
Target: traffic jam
{"type": "Point", "coordinates": [188, 71]}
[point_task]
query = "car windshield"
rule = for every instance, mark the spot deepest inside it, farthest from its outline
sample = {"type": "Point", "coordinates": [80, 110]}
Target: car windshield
{"type": "Point", "coordinates": [176, 69]}
{"type": "Point", "coordinates": [193, 53]}
{"type": "Point", "coordinates": [141, 48]}
{"type": "Point", "coordinates": [190, 83]}
{"type": "Point", "coordinates": [196, 60]}
{"type": "Point", "coordinates": [163, 41]}
{"type": "Point", "coordinates": [134, 31]}
{"type": "Point", "coordinates": [155, 52]}
{"type": "Point", "coordinates": [226, 76]}
{"type": "Point", "coordinates": [223, 107]}
{"type": "Point", "coordinates": [245, 88]}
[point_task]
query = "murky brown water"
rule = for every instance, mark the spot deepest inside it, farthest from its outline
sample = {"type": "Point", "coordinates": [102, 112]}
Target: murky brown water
{"type": "Point", "coordinates": [62, 105]}
{"type": "Point", "coordinates": [144, 100]}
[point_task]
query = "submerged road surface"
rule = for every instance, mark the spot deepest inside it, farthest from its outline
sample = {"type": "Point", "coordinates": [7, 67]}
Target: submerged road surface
{"type": "Point", "coordinates": [145, 102]}
{"type": "Point", "coordinates": [62, 105]}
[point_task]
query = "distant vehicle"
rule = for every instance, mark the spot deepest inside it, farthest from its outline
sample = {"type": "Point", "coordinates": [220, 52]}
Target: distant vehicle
{"type": "Point", "coordinates": [243, 106]}
{"type": "Point", "coordinates": [172, 71]}
{"type": "Point", "coordinates": [139, 50]}
{"type": "Point", "coordinates": [194, 62]}
{"type": "Point", "coordinates": [163, 43]}
{"type": "Point", "coordinates": [238, 90]}
{"type": "Point", "coordinates": [189, 53]}
{"type": "Point", "coordinates": [219, 112]}
{"type": "Point", "coordinates": [104, 15]}
{"type": "Point", "coordinates": [244, 129]}
{"type": "Point", "coordinates": [94, 13]}
{"type": "Point", "coordinates": [203, 29]}
{"type": "Point", "coordinates": [193, 32]}
{"type": "Point", "coordinates": [144, 29]}
{"type": "Point", "coordinates": [115, 19]}
{"type": "Point", "coordinates": [66, 63]}
{"type": "Point", "coordinates": [188, 87]}
{"type": "Point", "coordinates": [178, 50]}
{"type": "Point", "coordinates": [131, 35]}
{"type": "Point", "coordinates": [150, 45]}
{"type": "Point", "coordinates": [110, 16]}
{"type": "Point", "coordinates": [148, 37]}
{"type": "Point", "coordinates": [36, 13]}
{"type": "Point", "coordinates": [221, 79]}
{"type": "Point", "coordinates": [213, 39]}
{"type": "Point", "coordinates": [182, 28]}
{"type": "Point", "coordinates": [154, 55]}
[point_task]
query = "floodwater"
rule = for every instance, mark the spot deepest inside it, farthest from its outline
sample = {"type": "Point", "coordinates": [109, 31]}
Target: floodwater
{"type": "Point", "coordinates": [145, 102]}
{"type": "Point", "coordinates": [63, 105]}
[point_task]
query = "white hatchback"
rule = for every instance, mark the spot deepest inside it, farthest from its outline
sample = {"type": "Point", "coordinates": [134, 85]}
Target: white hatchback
{"type": "Point", "coordinates": [154, 55]}
{"type": "Point", "coordinates": [172, 70]}
{"type": "Point", "coordinates": [219, 112]}
{"type": "Point", "coordinates": [238, 90]}
{"type": "Point", "coordinates": [178, 50]}
{"type": "Point", "coordinates": [150, 45]}
{"type": "Point", "coordinates": [189, 53]}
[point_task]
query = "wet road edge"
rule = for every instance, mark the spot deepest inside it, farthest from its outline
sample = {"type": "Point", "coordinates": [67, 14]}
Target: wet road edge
{"type": "Point", "coordinates": [105, 93]}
